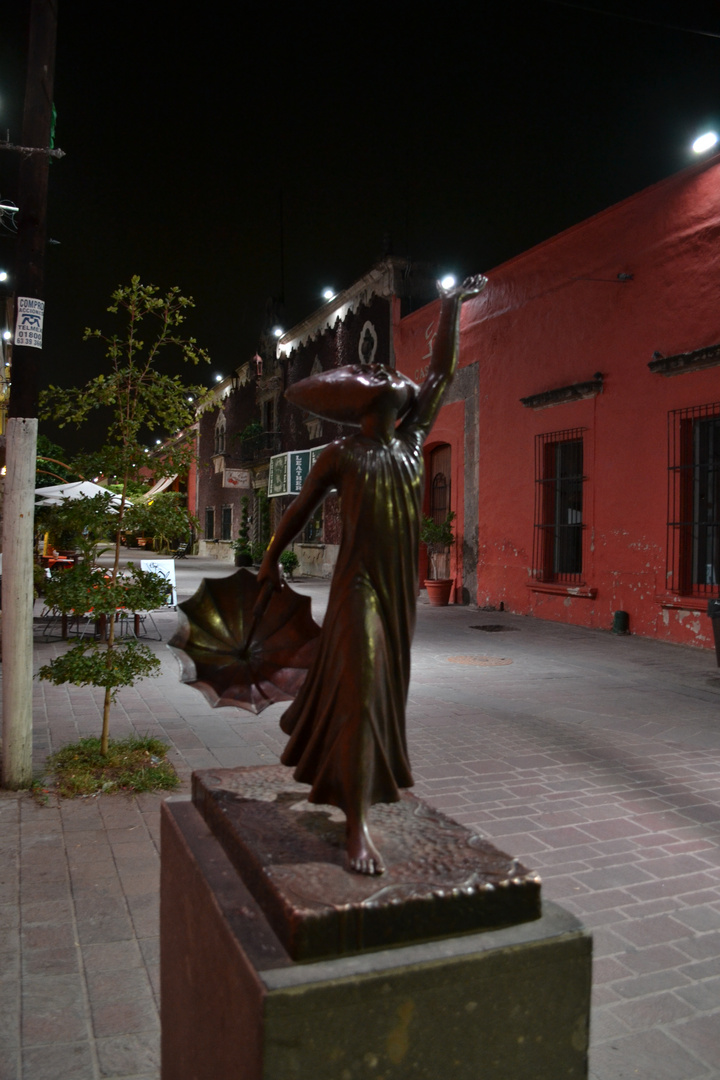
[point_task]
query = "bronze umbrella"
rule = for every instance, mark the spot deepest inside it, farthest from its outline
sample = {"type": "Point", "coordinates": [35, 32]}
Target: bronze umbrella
{"type": "Point", "coordinates": [237, 658]}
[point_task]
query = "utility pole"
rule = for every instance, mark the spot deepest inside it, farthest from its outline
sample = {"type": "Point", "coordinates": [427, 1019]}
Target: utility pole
{"type": "Point", "coordinates": [21, 439]}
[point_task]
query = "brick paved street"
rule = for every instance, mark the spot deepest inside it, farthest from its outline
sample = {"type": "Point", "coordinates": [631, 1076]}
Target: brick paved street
{"type": "Point", "coordinates": [593, 758]}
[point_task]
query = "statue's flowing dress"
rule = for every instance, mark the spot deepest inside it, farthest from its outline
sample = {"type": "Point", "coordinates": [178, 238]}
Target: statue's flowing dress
{"type": "Point", "coordinates": [347, 725]}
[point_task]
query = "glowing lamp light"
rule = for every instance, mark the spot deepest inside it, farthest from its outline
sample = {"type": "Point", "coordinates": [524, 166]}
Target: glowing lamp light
{"type": "Point", "coordinates": [3, 275]}
{"type": "Point", "coordinates": [278, 331]}
{"type": "Point", "coordinates": [448, 281]}
{"type": "Point", "coordinates": [158, 442]}
{"type": "Point", "coordinates": [6, 335]}
{"type": "Point", "coordinates": [328, 294]}
{"type": "Point", "coordinates": [705, 142]}
{"type": "Point", "coordinates": [218, 378]}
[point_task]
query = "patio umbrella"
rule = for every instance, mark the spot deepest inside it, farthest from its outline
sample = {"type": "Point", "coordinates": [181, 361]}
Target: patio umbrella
{"type": "Point", "coordinates": [236, 658]}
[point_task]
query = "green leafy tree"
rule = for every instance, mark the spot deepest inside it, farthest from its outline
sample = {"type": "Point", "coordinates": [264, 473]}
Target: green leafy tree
{"type": "Point", "coordinates": [140, 398]}
{"type": "Point", "coordinates": [51, 464]}
{"type": "Point", "coordinates": [78, 524]}
{"type": "Point", "coordinates": [164, 518]}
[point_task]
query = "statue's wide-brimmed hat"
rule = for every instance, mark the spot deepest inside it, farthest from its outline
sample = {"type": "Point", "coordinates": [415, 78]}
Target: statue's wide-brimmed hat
{"type": "Point", "coordinates": [347, 394]}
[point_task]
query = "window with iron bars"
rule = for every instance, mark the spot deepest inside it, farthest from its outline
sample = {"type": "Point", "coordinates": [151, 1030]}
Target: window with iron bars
{"type": "Point", "coordinates": [693, 542]}
{"type": "Point", "coordinates": [559, 526]}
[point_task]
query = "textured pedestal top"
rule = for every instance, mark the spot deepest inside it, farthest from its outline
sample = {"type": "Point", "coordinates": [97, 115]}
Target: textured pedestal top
{"type": "Point", "coordinates": [440, 878]}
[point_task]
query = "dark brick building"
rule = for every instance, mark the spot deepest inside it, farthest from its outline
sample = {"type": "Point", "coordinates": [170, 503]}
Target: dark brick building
{"type": "Point", "coordinates": [254, 445]}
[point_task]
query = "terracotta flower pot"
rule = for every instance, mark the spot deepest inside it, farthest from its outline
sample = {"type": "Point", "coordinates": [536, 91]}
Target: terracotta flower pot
{"type": "Point", "coordinates": [439, 591]}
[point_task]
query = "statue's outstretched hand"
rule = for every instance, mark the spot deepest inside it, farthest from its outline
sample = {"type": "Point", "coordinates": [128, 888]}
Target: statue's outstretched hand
{"type": "Point", "coordinates": [471, 286]}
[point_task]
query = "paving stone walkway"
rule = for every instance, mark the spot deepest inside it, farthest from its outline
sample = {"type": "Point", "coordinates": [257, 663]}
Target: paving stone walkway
{"type": "Point", "coordinates": [595, 759]}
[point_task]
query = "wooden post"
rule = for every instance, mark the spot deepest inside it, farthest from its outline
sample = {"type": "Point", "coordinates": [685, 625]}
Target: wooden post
{"type": "Point", "coordinates": [17, 601]}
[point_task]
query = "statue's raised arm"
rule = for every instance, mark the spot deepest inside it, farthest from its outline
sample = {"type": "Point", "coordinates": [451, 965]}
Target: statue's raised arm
{"type": "Point", "coordinates": [444, 356]}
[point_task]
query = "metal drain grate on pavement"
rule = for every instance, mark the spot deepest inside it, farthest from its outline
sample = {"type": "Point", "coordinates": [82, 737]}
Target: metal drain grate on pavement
{"type": "Point", "coordinates": [492, 627]}
{"type": "Point", "coordinates": [479, 661]}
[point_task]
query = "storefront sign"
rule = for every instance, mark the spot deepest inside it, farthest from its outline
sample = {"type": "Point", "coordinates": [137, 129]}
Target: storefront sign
{"type": "Point", "coordinates": [236, 478]}
{"type": "Point", "coordinates": [289, 471]}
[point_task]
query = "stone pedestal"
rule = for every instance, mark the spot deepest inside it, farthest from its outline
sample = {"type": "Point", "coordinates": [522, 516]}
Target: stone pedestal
{"type": "Point", "coordinates": [510, 1002]}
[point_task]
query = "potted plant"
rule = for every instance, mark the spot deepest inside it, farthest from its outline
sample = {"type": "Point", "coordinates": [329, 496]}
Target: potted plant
{"type": "Point", "coordinates": [289, 562]}
{"type": "Point", "coordinates": [439, 538]}
{"type": "Point", "coordinates": [242, 546]}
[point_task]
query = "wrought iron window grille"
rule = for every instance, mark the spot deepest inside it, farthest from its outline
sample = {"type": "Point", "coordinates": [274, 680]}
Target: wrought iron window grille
{"type": "Point", "coordinates": [559, 525]}
{"type": "Point", "coordinates": [693, 512]}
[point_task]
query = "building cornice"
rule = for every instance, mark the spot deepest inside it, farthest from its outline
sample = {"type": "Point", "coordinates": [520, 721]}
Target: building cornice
{"type": "Point", "coordinates": [380, 281]}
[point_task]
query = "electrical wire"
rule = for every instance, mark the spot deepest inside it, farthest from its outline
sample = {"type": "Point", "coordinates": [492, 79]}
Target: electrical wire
{"type": "Point", "coordinates": [632, 18]}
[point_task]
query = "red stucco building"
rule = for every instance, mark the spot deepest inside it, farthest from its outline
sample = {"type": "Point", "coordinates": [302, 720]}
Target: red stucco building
{"type": "Point", "coordinates": [581, 440]}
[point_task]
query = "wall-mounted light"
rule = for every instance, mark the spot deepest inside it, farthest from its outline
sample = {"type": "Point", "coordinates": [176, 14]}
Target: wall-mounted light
{"type": "Point", "coordinates": [328, 294]}
{"type": "Point", "coordinates": [705, 142]}
{"type": "Point", "coordinates": [448, 282]}
{"type": "Point", "coordinates": [277, 331]}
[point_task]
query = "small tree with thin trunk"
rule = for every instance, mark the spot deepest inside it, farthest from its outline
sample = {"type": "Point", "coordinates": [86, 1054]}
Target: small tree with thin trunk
{"type": "Point", "coordinates": [140, 398]}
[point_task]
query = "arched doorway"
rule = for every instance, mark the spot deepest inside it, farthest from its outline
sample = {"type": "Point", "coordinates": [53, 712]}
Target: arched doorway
{"type": "Point", "coordinates": [440, 462]}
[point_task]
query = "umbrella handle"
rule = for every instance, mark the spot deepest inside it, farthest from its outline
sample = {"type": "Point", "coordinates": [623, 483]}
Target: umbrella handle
{"type": "Point", "coordinates": [260, 608]}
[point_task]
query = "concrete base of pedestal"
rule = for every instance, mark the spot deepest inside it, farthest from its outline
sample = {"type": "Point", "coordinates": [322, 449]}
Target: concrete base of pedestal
{"type": "Point", "coordinates": [509, 1004]}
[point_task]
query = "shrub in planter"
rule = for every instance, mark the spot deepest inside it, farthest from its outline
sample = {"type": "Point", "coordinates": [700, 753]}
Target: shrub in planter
{"type": "Point", "coordinates": [289, 562]}
{"type": "Point", "coordinates": [439, 538]}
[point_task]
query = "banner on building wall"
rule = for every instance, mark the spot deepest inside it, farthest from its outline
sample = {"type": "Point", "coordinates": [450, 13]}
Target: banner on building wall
{"type": "Point", "coordinates": [236, 478]}
{"type": "Point", "coordinates": [288, 471]}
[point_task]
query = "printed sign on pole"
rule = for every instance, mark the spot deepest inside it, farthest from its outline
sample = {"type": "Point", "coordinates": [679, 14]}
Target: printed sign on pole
{"type": "Point", "coordinates": [29, 326]}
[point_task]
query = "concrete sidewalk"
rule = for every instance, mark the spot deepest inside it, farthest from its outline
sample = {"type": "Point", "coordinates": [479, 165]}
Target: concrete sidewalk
{"type": "Point", "coordinates": [595, 759]}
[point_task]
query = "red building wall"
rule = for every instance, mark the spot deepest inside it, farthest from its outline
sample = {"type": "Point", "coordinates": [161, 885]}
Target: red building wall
{"type": "Point", "coordinates": [556, 316]}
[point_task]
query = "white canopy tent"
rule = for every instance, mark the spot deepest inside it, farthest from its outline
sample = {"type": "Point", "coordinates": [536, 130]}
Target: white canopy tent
{"type": "Point", "coordinates": [159, 485]}
{"type": "Point", "coordinates": [80, 489]}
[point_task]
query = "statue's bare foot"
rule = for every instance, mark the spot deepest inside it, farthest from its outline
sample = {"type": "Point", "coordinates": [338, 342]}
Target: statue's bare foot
{"type": "Point", "coordinates": [363, 855]}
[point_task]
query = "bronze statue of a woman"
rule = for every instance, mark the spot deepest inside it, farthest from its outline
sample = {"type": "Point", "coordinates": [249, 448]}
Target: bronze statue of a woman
{"type": "Point", "coordinates": [347, 725]}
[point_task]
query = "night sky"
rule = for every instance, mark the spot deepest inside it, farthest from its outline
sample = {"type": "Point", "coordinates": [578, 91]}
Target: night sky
{"type": "Point", "coordinates": [461, 138]}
